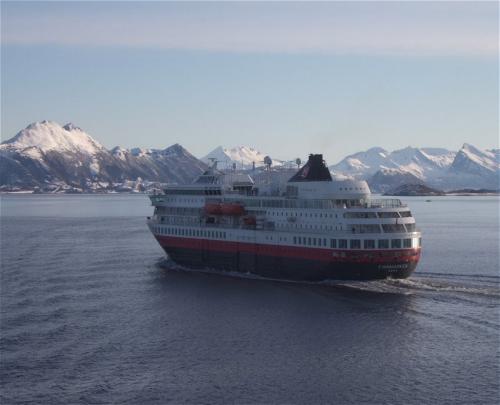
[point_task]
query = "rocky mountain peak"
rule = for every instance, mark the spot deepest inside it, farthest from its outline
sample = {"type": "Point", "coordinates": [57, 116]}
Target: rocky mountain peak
{"type": "Point", "coordinates": [72, 127]}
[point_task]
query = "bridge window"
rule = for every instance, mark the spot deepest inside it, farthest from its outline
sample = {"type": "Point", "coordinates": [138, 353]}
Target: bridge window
{"type": "Point", "coordinates": [407, 243]}
{"type": "Point", "coordinates": [360, 215]}
{"type": "Point", "coordinates": [410, 227]}
{"type": "Point", "coordinates": [405, 214]}
{"type": "Point", "coordinates": [333, 243]}
{"type": "Point", "coordinates": [365, 228]}
{"type": "Point", "coordinates": [393, 228]}
{"type": "Point", "coordinates": [343, 243]}
{"type": "Point", "coordinates": [391, 214]}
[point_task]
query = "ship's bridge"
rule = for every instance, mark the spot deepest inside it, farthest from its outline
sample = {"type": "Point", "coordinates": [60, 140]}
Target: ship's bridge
{"type": "Point", "coordinates": [314, 181]}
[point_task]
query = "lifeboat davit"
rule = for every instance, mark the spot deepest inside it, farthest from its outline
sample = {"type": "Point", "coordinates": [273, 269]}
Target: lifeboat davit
{"type": "Point", "coordinates": [232, 209]}
{"type": "Point", "coordinates": [213, 209]}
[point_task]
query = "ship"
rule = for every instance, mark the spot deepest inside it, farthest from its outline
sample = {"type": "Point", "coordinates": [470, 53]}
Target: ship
{"type": "Point", "coordinates": [311, 228]}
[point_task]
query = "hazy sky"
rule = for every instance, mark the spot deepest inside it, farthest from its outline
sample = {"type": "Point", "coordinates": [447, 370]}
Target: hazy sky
{"type": "Point", "coordinates": [287, 78]}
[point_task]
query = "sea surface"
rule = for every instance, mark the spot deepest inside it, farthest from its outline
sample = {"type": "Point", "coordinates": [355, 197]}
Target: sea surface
{"type": "Point", "coordinates": [91, 312]}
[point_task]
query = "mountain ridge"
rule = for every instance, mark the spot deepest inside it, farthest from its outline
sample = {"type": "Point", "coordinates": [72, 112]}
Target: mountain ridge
{"type": "Point", "coordinates": [47, 155]}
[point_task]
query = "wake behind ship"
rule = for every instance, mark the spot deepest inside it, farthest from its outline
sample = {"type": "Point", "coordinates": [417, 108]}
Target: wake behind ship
{"type": "Point", "coordinates": [316, 228]}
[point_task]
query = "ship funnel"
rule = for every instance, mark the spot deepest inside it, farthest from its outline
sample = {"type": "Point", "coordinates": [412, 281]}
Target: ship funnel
{"type": "Point", "coordinates": [314, 170]}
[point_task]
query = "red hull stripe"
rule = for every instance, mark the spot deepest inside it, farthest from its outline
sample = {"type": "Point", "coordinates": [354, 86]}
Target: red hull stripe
{"type": "Point", "coordinates": [318, 254]}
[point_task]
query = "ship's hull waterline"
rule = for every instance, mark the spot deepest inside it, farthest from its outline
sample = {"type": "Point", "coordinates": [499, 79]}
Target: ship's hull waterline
{"type": "Point", "coordinates": [290, 263]}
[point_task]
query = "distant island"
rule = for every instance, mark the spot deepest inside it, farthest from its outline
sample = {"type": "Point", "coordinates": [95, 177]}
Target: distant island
{"type": "Point", "coordinates": [414, 190]}
{"type": "Point", "coordinates": [470, 191]}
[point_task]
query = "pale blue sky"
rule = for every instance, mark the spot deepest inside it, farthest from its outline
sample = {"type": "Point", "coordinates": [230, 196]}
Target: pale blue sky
{"type": "Point", "coordinates": [287, 78]}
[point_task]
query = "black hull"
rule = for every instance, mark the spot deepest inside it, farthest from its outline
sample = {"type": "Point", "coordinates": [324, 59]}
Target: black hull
{"type": "Point", "coordinates": [287, 268]}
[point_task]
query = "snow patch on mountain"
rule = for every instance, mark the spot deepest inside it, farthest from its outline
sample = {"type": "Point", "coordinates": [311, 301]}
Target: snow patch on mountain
{"type": "Point", "coordinates": [362, 163]}
{"type": "Point", "coordinates": [440, 156]}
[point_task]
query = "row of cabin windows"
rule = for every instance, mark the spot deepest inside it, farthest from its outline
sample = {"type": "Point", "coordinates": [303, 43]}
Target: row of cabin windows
{"type": "Point", "coordinates": [391, 214]}
{"type": "Point", "coordinates": [350, 188]}
{"type": "Point", "coordinates": [365, 228]}
{"type": "Point", "coordinates": [299, 214]}
{"type": "Point", "coordinates": [213, 191]}
{"type": "Point", "coordinates": [308, 204]}
{"type": "Point", "coordinates": [354, 243]}
{"type": "Point", "coordinates": [182, 200]}
{"type": "Point", "coordinates": [177, 211]}
{"type": "Point", "coordinates": [191, 232]}
{"type": "Point", "coordinates": [305, 226]}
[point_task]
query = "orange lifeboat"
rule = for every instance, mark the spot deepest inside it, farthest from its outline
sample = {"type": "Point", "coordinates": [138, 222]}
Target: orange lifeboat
{"type": "Point", "coordinates": [233, 209]}
{"type": "Point", "coordinates": [213, 209]}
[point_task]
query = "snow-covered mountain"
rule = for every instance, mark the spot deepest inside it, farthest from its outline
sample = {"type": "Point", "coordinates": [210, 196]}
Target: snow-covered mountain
{"type": "Point", "coordinates": [243, 156]}
{"type": "Point", "coordinates": [442, 168]}
{"type": "Point", "coordinates": [424, 163]}
{"type": "Point", "coordinates": [48, 155]}
{"type": "Point", "coordinates": [474, 168]}
{"type": "Point", "coordinates": [472, 160]}
{"type": "Point", "coordinates": [49, 136]}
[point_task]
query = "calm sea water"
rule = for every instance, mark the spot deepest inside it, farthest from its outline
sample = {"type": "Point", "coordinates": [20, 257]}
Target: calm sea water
{"type": "Point", "coordinates": [92, 313]}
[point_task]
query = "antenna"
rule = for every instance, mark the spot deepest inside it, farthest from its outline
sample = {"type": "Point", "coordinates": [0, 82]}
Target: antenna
{"type": "Point", "coordinates": [268, 162]}
{"type": "Point", "coordinates": [213, 162]}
